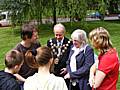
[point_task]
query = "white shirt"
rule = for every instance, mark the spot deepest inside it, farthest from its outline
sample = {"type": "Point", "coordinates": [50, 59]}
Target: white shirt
{"type": "Point", "coordinates": [50, 83]}
{"type": "Point", "coordinates": [73, 57]}
{"type": "Point", "coordinates": [58, 44]}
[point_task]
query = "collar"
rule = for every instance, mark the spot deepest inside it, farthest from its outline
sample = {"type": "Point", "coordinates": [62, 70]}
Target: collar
{"type": "Point", "coordinates": [61, 41]}
{"type": "Point", "coordinates": [83, 47]}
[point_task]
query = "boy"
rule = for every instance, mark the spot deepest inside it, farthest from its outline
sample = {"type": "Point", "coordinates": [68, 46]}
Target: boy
{"type": "Point", "coordinates": [13, 62]}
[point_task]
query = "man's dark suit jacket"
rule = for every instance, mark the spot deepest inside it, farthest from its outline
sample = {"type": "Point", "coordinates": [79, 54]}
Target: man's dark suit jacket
{"type": "Point", "coordinates": [63, 58]}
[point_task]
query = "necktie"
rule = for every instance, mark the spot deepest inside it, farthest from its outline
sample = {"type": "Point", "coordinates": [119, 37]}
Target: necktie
{"type": "Point", "coordinates": [59, 49]}
{"type": "Point", "coordinates": [59, 44]}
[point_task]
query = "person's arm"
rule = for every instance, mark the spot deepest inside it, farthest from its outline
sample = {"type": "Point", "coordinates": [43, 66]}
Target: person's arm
{"type": "Point", "coordinates": [19, 77]}
{"type": "Point", "coordinates": [13, 86]}
{"type": "Point", "coordinates": [96, 76]}
{"type": "Point", "coordinates": [93, 69]}
{"type": "Point", "coordinates": [99, 77]}
{"type": "Point", "coordinates": [92, 74]}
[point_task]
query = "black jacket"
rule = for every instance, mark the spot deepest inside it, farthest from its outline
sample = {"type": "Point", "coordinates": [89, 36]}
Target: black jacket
{"type": "Point", "coordinates": [8, 81]}
{"type": "Point", "coordinates": [63, 58]}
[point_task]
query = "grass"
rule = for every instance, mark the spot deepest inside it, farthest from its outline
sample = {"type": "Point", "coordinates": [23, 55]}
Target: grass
{"type": "Point", "coordinates": [10, 37]}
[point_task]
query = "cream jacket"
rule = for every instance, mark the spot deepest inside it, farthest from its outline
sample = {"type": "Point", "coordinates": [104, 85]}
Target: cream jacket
{"type": "Point", "coordinates": [50, 83]}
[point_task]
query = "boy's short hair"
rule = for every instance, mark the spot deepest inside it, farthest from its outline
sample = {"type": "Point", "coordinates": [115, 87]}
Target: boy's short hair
{"type": "Point", "coordinates": [13, 58]}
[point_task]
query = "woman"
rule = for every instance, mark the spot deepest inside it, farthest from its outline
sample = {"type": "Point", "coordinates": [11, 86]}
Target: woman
{"type": "Point", "coordinates": [43, 80]}
{"type": "Point", "coordinates": [105, 76]}
{"type": "Point", "coordinates": [80, 60]}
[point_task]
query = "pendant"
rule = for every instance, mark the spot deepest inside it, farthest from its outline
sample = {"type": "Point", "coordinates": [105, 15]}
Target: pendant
{"type": "Point", "coordinates": [56, 61]}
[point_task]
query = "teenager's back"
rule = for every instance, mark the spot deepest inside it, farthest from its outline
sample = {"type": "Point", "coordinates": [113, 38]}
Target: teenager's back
{"type": "Point", "coordinates": [51, 82]}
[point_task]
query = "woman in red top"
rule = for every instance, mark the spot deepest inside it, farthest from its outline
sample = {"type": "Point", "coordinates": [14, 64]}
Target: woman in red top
{"type": "Point", "coordinates": [105, 75]}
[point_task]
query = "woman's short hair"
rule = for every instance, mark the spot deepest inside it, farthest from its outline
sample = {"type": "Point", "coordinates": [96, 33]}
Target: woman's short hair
{"type": "Point", "coordinates": [13, 58]}
{"type": "Point", "coordinates": [100, 37]}
{"type": "Point", "coordinates": [79, 35]}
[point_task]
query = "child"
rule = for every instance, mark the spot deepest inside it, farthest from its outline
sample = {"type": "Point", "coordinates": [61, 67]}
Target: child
{"type": "Point", "coordinates": [13, 62]}
{"type": "Point", "coordinates": [43, 80]}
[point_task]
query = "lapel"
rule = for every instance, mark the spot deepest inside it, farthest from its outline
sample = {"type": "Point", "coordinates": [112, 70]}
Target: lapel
{"type": "Point", "coordinates": [78, 56]}
{"type": "Point", "coordinates": [80, 52]}
{"type": "Point", "coordinates": [54, 41]}
{"type": "Point", "coordinates": [71, 53]}
{"type": "Point", "coordinates": [65, 41]}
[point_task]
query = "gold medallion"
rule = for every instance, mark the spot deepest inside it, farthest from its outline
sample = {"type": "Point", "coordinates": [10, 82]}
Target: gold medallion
{"type": "Point", "coordinates": [56, 61]}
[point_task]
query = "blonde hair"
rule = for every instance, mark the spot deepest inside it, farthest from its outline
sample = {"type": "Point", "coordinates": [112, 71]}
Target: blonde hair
{"type": "Point", "coordinates": [100, 37]}
{"type": "Point", "coordinates": [79, 35]}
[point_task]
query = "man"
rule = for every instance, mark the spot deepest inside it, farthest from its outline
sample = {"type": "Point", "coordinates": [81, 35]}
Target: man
{"type": "Point", "coordinates": [60, 46]}
{"type": "Point", "coordinates": [13, 62]}
{"type": "Point", "coordinates": [29, 36]}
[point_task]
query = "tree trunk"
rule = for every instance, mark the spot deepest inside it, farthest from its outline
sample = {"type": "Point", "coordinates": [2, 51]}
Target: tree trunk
{"type": "Point", "coordinates": [54, 12]}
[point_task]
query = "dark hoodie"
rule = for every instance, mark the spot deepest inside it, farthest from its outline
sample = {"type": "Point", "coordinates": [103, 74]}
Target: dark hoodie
{"type": "Point", "coordinates": [8, 81]}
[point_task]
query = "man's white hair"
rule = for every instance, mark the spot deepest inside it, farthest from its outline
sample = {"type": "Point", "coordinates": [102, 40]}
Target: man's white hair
{"type": "Point", "coordinates": [61, 26]}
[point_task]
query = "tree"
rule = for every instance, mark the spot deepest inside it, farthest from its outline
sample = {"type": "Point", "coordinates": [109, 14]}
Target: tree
{"type": "Point", "coordinates": [26, 10]}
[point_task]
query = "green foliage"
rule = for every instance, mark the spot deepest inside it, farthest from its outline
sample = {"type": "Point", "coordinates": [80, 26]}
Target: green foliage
{"type": "Point", "coordinates": [27, 10]}
{"type": "Point", "coordinates": [103, 5]}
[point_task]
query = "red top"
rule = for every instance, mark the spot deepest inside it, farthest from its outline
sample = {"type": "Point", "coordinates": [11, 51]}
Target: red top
{"type": "Point", "coordinates": [109, 64]}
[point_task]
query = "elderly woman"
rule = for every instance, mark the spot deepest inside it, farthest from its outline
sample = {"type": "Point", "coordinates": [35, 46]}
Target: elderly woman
{"type": "Point", "coordinates": [105, 76]}
{"type": "Point", "coordinates": [80, 60]}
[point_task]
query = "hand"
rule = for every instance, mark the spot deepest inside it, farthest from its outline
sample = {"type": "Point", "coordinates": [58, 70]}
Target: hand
{"type": "Point", "coordinates": [63, 71]}
{"type": "Point", "coordinates": [19, 77]}
{"type": "Point", "coordinates": [67, 76]}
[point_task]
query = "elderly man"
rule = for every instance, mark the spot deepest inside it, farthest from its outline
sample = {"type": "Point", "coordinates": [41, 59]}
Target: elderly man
{"type": "Point", "coordinates": [60, 46]}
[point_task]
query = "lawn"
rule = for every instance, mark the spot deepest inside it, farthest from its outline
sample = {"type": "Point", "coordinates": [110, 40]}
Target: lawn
{"type": "Point", "coordinates": [9, 37]}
